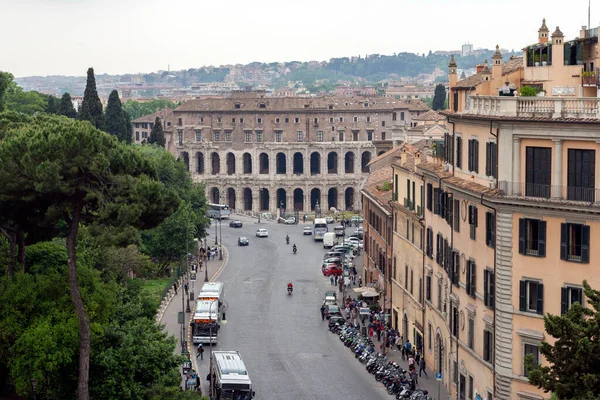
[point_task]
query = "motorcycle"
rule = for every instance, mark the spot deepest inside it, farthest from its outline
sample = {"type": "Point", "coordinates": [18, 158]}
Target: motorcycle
{"type": "Point", "coordinates": [290, 289]}
{"type": "Point", "coordinates": [295, 249]}
{"type": "Point", "coordinates": [287, 240]}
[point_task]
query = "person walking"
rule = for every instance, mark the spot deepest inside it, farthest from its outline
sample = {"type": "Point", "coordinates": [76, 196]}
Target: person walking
{"type": "Point", "coordinates": [200, 351]}
{"type": "Point", "coordinates": [408, 347]}
{"type": "Point", "coordinates": [185, 287]}
{"type": "Point", "coordinates": [414, 376]}
{"type": "Point", "coordinates": [331, 279]}
{"type": "Point", "coordinates": [422, 367]}
{"type": "Point", "coordinates": [378, 331]}
{"type": "Point", "coordinates": [175, 287]}
{"type": "Point", "coordinates": [323, 312]}
{"type": "Point", "coordinates": [418, 358]}
{"type": "Point", "coordinates": [398, 344]}
{"type": "Point", "coordinates": [411, 362]}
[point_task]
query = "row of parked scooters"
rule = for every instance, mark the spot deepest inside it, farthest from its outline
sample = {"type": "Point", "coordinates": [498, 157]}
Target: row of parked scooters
{"type": "Point", "coordinates": [395, 379]}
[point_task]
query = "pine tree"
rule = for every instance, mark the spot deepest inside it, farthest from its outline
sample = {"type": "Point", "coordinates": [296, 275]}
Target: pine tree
{"type": "Point", "coordinates": [91, 107]}
{"type": "Point", "coordinates": [129, 127]}
{"type": "Point", "coordinates": [115, 122]}
{"type": "Point", "coordinates": [439, 98]}
{"type": "Point", "coordinates": [156, 134]}
{"type": "Point", "coordinates": [53, 104]}
{"type": "Point", "coordinates": [66, 106]}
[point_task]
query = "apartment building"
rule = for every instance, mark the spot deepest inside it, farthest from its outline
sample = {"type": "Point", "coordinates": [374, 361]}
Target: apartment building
{"type": "Point", "coordinates": [143, 126]}
{"type": "Point", "coordinates": [509, 208]}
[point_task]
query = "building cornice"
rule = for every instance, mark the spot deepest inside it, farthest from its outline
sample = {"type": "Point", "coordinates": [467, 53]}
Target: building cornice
{"type": "Point", "coordinates": [376, 202]}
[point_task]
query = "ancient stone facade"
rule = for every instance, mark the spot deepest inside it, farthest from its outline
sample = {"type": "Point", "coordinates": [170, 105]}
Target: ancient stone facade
{"type": "Point", "coordinates": [256, 153]}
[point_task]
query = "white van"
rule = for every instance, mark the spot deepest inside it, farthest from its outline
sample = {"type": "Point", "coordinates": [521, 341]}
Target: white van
{"type": "Point", "coordinates": [212, 291]}
{"type": "Point", "coordinates": [329, 240]}
{"type": "Point", "coordinates": [339, 230]}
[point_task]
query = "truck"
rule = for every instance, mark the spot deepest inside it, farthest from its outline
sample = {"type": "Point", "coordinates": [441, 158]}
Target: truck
{"type": "Point", "coordinates": [329, 240]}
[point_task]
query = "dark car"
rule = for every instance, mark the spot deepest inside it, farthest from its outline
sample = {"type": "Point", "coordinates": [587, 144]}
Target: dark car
{"type": "Point", "coordinates": [336, 319]}
{"type": "Point", "coordinates": [243, 241]}
{"type": "Point", "coordinates": [332, 310]}
{"type": "Point", "coordinates": [235, 224]}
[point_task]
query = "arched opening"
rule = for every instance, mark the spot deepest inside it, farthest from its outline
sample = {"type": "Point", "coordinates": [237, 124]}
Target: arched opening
{"type": "Point", "coordinates": [381, 152]}
{"type": "Point", "coordinates": [298, 200]}
{"type": "Point", "coordinates": [215, 163]}
{"type": "Point", "coordinates": [349, 197]}
{"type": "Point", "coordinates": [349, 163]}
{"type": "Point", "coordinates": [332, 197]}
{"type": "Point", "coordinates": [280, 161]}
{"type": "Point", "coordinates": [200, 163]}
{"type": "Point", "coordinates": [247, 196]}
{"type": "Point", "coordinates": [231, 198]}
{"type": "Point", "coordinates": [230, 164]}
{"type": "Point", "coordinates": [263, 163]}
{"type": "Point", "coordinates": [364, 160]}
{"type": "Point", "coordinates": [315, 163]}
{"type": "Point", "coordinates": [185, 157]}
{"type": "Point", "coordinates": [214, 195]}
{"type": "Point", "coordinates": [281, 199]}
{"type": "Point", "coordinates": [315, 198]}
{"type": "Point", "coordinates": [247, 163]}
{"type": "Point", "coordinates": [332, 163]}
{"type": "Point", "coordinates": [298, 164]}
{"type": "Point", "coordinates": [264, 197]}
{"type": "Point", "coordinates": [439, 353]}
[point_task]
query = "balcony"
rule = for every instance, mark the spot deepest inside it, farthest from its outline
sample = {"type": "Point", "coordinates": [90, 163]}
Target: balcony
{"type": "Point", "coordinates": [534, 107]}
{"type": "Point", "coordinates": [591, 78]}
{"type": "Point", "coordinates": [409, 204]}
{"type": "Point", "coordinates": [552, 193]}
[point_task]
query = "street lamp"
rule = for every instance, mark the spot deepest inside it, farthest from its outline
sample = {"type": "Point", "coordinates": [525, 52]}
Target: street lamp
{"type": "Point", "coordinates": [223, 321]}
{"type": "Point", "coordinates": [34, 387]}
{"type": "Point", "coordinates": [317, 210]}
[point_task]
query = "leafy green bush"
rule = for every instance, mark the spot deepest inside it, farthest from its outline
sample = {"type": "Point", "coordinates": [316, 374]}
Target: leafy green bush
{"type": "Point", "coordinates": [528, 91]}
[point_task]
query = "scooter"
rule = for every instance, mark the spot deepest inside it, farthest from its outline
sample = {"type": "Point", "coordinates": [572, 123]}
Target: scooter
{"type": "Point", "coordinates": [295, 250]}
{"type": "Point", "coordinates": [287, 240]}
{"type": "Point", "coordinates": [290, 290]}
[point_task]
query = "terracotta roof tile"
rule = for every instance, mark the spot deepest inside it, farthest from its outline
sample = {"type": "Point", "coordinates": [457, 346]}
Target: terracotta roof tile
{"type": "Point", "coordinates": [472, 81]}
{"type": "Point", "coordinates": [374, 184]}
{"type": "Point", "coordinates": [162, 114]}
{"type": "Point", "coordinates": [429, 116]}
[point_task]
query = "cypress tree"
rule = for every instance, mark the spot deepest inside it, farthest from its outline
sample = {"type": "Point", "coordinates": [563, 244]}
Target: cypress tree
{"type": "Point", "coordinates": [66, 106]}
{"type": "Point", "coordinates": [129, 127]}
{"type": "Point", "coordinates": [156, 134]}
{"type": "Point", "coordinates": [439, 98]}
{"type": "Point", "coordinates": [53, 104]}
{"type": "Point", "coordinates": [115, 123]}
{"type": "Point", "coordinates": [91, 107]}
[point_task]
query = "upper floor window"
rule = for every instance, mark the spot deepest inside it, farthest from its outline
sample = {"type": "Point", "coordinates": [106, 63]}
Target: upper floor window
{"type": "Point", "coordinates": [532, 237]}
{"type": "Point", "coordinates": [278, 136]}
{"type": "Point", "coordinates": [474, 155]}
{"type": "Point", "coordinates": [228, 136]}
{"type": "Point", "coordinates": [428, 288]}
{"type": "Point", "coordinates": [531, 296]}
{"type": "Point", "coordinates": [488, 347]}
{"type": "Point", "coordinates": [341, 119]}
{"type": "Point", "coordinates": [355, 119]}
{"type": "Point", "coordinates": [277, 120]}
{"type": "Point", "coordinates": [241, 120]}
{"type": "Point", "coordinates": [489, 288]}
{"type": "Point", "coordinates": [217, 136]}
{"type": "Point", "coordinates": [538, 167]}
{"type": "Point", "coordinates": [287, 120]}
{"type": "Point", "coordinates": [575, 242]}
{"type": "Point", "coordinates": [402, 116]}
{"type": "Point", "coordinates": [259, 137]}
{"type": "Point", "coordinates": [581, 178]}
{"type": "Point", "coordinates": [296, 120]}
{"type": "Point", "coordinates": [490, 229]}
{"type": "Point", "coordinates": [219, 120]}
{"type": "Point", "coordinates": [394, 116]}
{"type": "Point", "coordinates": [198, 136]}
{"type": "Point", "coordinates": [248, 136]}
{"type": "Point", "coordinates": [369, 135]}
{"type": "Point", "coordinates": [471, 280]}
{"type": "Point", "coordinates": [383, 123]}
{"type": "Point", "coordinates": [454, 320]}
{"type": "Point", "coordinates": [331, 120]}
{"type": "Point", "coordinates": [259, 120]}
{"type": "Point", "coordinates": [534, 351]}
{"type": "Point", "coordinates": [299, 136]}
{"type": "Point", "coordinates": [568, 296]}
{"type": "Point", "coordinates": [491, 159]}
{"type": "Point", "coordinates": [180, 136]}
{"type": "Point", "coordinates": [319, 136]}
{"type": "Point", "coordinates": [471, 342]}
{"type": "Point", "coordinates": [368, 119]}
{"type": "Point", "coordinates": [233, 120]}
{"type": "Point", "coordinates": [341, 136]}
{"type": "Point", "coordinates": [473, 221]}
{"type": "Point", "coordinates": [458, 152]}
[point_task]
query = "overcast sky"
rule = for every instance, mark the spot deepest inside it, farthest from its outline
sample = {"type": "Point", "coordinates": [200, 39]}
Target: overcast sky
{"type": "Point", "coordinates": [65, 37]}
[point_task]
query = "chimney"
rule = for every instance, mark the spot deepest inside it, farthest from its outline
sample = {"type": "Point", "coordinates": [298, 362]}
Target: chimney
{"type": "Point", "coordinates": [417, 158]}
{"type": "Point", "coordinates": [543, 33]}
{"type": "Point", "coordinates": [479, 68]}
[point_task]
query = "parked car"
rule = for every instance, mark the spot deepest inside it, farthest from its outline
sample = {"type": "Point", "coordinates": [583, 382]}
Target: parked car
{"type": "Point", "coordinates": [243, 241]}
{"type": "Point", "coordinates": [333, 269]}
{"type": "Point", "coordinates": [332, 310]}
{"type": "Point", "coordinates": [355, 241]}
{"type": "Point", "coordinates": [333, 260]}
{"type": "Point", "coordinates": [307, 231]}
{"type": "Point", "coordinates": [331, 295]}
{"type": "Point", "coordinates": [235, 224]}
{"type": "Point", "coordinates": [336, 319]}
{"type": "Point", "coordinates": [356, 220]}
{"type": "Point", "coordinates": [262, 233]}
{"type": "Point", "coordinates": [357, 234]}
{"type": "Point", "coordinates": [290, 221]}
{"type": "Point", "coordinates": [329, 220]}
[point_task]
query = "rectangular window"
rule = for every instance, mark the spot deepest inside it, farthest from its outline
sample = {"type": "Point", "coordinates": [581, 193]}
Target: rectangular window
{"type": "Point", "coordinates": [455, 372]}
{"type": "Point", "coordinates": [490, 229]}
{"type": "Point", "coordinates": [355, 119]}
{"type": "Point", "coordinates": [259, 120]}
{"type": "Point", "coordinates": [439, 295]}
{"type": "Point", "coordinates": [394, 116]}
{"type": "Point", "coordinates": [429, 243]}
{"type": "Point", "coordinates": [394, 271]}
{"type": "Point", "coordinates": [429, 196]}
{"type": "Point", "coordinates": [331, 120]}
{"type": "Point", "coordinates": [369, 135]}
{"type": "Point", "coordinates": [219, 120]}
{"type": "Point", "coordinates": [538, 167]}
{"type": "Point", "coordinates": [473, 221]}
{"type": "Point", "coordinates": [137, 136]}
{"type": "Point", "coordinates": [428, 288]}
{"type": "Point", "coordinates": [248, 137]}
{"type": "Point", "coordinates": [489, 288]}
{"type": "Point", "coordinates": [144, 135]}
{"type": "Point", "coordinates": [259, 137]}
{"type": "Point", "coordinates": [180, 136]}
{"type": "Point", "coordinates": [228, 136]}
{"type": "Point", "coordinates": [217, 136]}
{"type": "Point", "coordinates": [198, 136]}
{"type": "Point", "coordinates": [471, 278]}
{"type": "Point", "coordinates": [277, 120]}
{"type": "Point", "coordinates": [319, 136]}
{"type": "Point", "coordinates": [233, 120]}
{"type": "Point", "coordinates": [471, 341]}
{"type": "Point", "coordinates": [568, 296]}
{"type": "Point", "coordinates": [534, 351]}
{"type": "Point", "coordinates": [491, 160]}
{"type": "Point", "coordinates": [402, 116]}
{"type": "Point", "coordinates": [429, 336]}
{"type": "Point", "coordinates": [286, 120]}
{"type": "Point", "coordinates": [316, 121]}
{"type": "Point", "coordinates": [436, 201]}
{"type": "Point", "coordinates": [179, 122]}
{"type": "Point", "coordinates": [355, 136]}
{"type": "Point", "coordinates": [341, 119]}
{"type": "Point", "coordinates": [241, 120]}
{"type": "Point", "coordinates": [457, 215]}
{"type": "Point", "coordinates": [473, 155]}
{"type": "Point", "coordinates": [531, 297]}
{"type": "Point", "coordinates": [407, 229]}
{"type": "Point", "coordinates": [412, 275]}
{"type": "Point", "coordinates": [581, 178]}
{"type": "Point", "coordinates": [575, 242]}
{"type": "Point", "coordinates": [458, 152]}
{"type": "Point", "coordinates": [488, 346]}
{"type": "Point", "coordinates": [532, 237]}
{"type": "Point", "coordinates": [470, 393]}
{"type": "Point", "coordinates": [454, 320]}
{"type": "Point", "coordinates": [296, 120]}
{"type": "Point", "coordinates": [299, 136]}
{"type": "Point", "coordinates": [383, 123]}
{"type": "Point", "coordinates": [439, 252]}
{"type": "Point", "coordinates": [368, 119]}
{"type": "Point", "coordinates": [406, 276]}
{"type": "Point", "coordinates": [278, 136]}
{"type": "Point", "coordinates": [341, 136]}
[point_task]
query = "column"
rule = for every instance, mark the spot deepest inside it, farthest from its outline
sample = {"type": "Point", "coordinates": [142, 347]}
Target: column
{"type": "Point", "coordinates": [272, 163]}
{"type": "Point", "coordinates": [557, 184]}
{"type": "Point", "coordinates": [341, 205]}
{"type": "Point", "coordinates": [323, 201]}
{"type": "Point", "coordinates": [515, 187]}
{"type": "Point", "coordinates": [289, 198]}
{"type": "Point", "coordinates": [342, 163]}
{"type": "Point", "coordinates": [289, 164]}
{"type": "Point", "coordinates": [273, 200]}
{"type": "Point", "coordinates": [239, 199]}
{"type": "Point", "coordinates": [255, 200]}
{"type": "Point", "coordinates": [324, 163]}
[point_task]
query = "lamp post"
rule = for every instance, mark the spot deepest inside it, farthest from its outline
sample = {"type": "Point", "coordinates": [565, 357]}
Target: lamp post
{"type": "Point", "coordinates": [223, 321]}
{"type": "Point", "coordinates": [317, 210]}
{"type": "Point", "coordinates": [34, 387]}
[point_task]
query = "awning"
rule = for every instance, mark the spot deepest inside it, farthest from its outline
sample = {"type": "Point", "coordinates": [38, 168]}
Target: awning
{"type": "Point", "coordinates": [362, 289]}
{"type": "Point", "coordinates": [370, 293]}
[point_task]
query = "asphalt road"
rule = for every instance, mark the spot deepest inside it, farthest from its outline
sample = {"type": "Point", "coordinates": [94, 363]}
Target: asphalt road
{"type": "Point", "coordinates": [288, 350]}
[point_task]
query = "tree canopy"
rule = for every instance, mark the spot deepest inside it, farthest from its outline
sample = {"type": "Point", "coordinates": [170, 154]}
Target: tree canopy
{"type": "Point", "coordinates": [91, 106]}
{"type": "Point", "coordinates": [157, 136]}
{"type": "Point", "coordinates": [138, 109]}
{"type": "Point", "coordinates": [116, 123]}
{"type": "Point", "coordinates": [66, 106]}
{"type": "Point", "coordinates": [439, 98]}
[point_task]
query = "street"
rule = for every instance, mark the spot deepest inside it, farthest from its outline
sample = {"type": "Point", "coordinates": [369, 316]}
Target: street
{"type": "Point", "coordinates": [288, 350]}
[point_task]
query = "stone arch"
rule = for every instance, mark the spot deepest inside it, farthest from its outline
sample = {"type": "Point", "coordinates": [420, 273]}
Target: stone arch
{"type": "Point", "coordinates": [365, 159]}
{"type": "Point", "coordinates": [200, 163]}
{"type": "Point", "coordinates": [349, 198]}
{"type": "Point", "coordinates": [230, 161]}
{"type": "Point", "coordinates": [185, 157]}
{"type": "Point", "coordinates": [247, 163]}
{"type": "Point", "coordinates": [215, 163]}
{"type": "Point", "coordinates": [281, 198]}
{"type": "Point", "coordinates": [215, 195]}
{"type": "Point", "coordinates": [298, 199]}
{"type": "Point", "coordinates": [247, 199]}
{"type": "Point", "coordinates": [231, 199]}
{"type": "Point", "coordinates": [298, 163]}
{"type": "Point", "coordinates": [263, 163]}
{"type": "Point", "coordinates": [315, 163]}
{"type": "Point", "coordinates": [439, 352]}
{"type": "Point", "coordinates": [264, 199]}
{"type": "Point", "coordinates": [280, 163]}
{"type": "Point", "coordinates": [332, 162]}
{"type": "Point", "coordinates": [380, 152]}
{"type": "Point", "coordinates": [332, 198]}
{"type": "Point", "coordinates": [349, 162]}
{"type": "Point", "coordinates": [315, 198]}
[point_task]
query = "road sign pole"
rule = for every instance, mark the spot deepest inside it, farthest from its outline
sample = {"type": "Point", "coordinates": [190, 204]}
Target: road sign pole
{"type": "Point", "coordinates": [438, 378]}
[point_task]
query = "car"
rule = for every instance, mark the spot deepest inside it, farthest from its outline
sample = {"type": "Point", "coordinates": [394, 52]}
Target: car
{"type": "Point", "coordinates": [243, 241]}
{"type": "Point", "coordinates": [332, 310]}
{"type": "Point", "coordinates": [333, 260]}
{"type": "Point", "coordinates": [235, 224]}
{"type": "Point", "coordinates": [336, 319]}
{"type": "Point", "coordinates": [262, 233]}
{"type": "Point", "coordinates": [331, 295]}
{"type": "Point", "coordinates": [355, 241]}
{"type": "Point", "coordinates": [356, 220]}
{"type": "Point", "coordinates": [307, 231]}
{"type": "Point", "coordinates": [358, 235]}
{"type": "Point", "coordinates": [290, 221]}
{"type": "Point", "coordinates": [333, 269]}
{"type": "Point", "coordinates": [329, 220]}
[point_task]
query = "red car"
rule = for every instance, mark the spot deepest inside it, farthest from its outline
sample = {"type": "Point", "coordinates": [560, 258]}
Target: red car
{"type": "Point", "coordinates": [333, 269]}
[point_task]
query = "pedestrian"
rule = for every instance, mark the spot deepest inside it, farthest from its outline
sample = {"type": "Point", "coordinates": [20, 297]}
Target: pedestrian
{"type": "Point", "coordinates": [347, 312]}
{"type": "Point", "coordinates": [331, 279]}
{"type": "Point", "coordinates": [175, 287]}
{"type": "Point", "coordinates": [185, 287]}
{"type": "Point", "coordinates": [413, 376]}
{"type": "Point", "coordinates": [422, 367]}
{"type": "Point", "coordinates": [323, 312]}
{"type": "Point", "coordinates": [418, 358]}
{"type": "Point", "coordinates": [336, 279]}
{"type": "Point", "coordinates": [371, 332]}
{"type": "Point", "coordinates": [200, 351]}
{"type": "Point", "coordinates": [378, 332]}
{"type": "Point", "coordinates": [360, 281]}
{"type": "Point", "coordinates": [411, 361]}
{"type": "Point", "coordinates": [399, 345]}
{"type": "Point", "coordinates": [408, 346]}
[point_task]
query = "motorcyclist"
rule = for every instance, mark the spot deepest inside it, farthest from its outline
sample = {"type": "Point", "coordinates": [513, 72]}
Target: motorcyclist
{"type": "Point", "coordinates": [290, 287]}
{"type": "Point", "coordinates": [287, 239]}
{"type": "Point", "coordinates": [294, 248]}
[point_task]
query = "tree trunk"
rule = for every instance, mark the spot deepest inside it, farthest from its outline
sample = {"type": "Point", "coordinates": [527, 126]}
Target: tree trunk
{"type": "Point", "coordinates": [82, 315]}
{"type": "Point", "coordinates": [11, 257]}
{"type": "Point", "coordinates": [21, 243]}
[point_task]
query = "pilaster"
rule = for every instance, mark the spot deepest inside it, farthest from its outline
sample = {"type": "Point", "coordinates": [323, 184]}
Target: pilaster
{"type": "Point", "coordinates": [557, 167]}
{"type": "Point", "coordinates": [515, 188]}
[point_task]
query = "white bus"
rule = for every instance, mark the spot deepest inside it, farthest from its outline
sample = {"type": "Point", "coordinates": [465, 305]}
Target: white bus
{"type": "Point", "coordinates": [218, 211]}
{"type": "Point", "coordinates": [228, 377]}
{"type": "Point", "coordinates": [212, 291]}
{"type": "Point", "coordinates": [319, 229]}
{"type": "Point", "coordinates": [205, 323]}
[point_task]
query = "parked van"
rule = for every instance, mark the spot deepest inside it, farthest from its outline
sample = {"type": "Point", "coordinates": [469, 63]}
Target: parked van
{"type": "Point", "coordinates": [212, 291]}
{"type": "Point", "coordinates": [339, 230]}
{"type": "Point", "coordinates": [329, 240]}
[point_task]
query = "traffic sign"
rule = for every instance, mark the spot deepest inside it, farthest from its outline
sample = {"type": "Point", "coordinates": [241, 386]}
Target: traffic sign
{"type": "Point", "coordinates": [438, 376]}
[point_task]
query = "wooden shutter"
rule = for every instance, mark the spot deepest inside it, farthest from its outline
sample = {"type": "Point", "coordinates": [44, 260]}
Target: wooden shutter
{"type": "Point", "coordinates": [443, 196]}
{"type": "Point", "coordinates": [429, 196]}
{"type": "Point", "coordinates": [459, 152]}
{"type": "Point", "coordinates": [468, 280]}
{"type": "Point", "coordinates": [486, 278]}
{"type": "Point", "coordinates": [476, 156]}
{"type": "Point", "coordinates": [564, 300]}
{"type": "Point", "coordinates": [473, 279]}
{"type": "Point", "coordinates": [563, 241]}
{"type": "Point", "coordinates": [522, 234]}
{"type": "Point", "coordinates": [456, 212]}
{"type": "Point", "coordinates": [523, 295]}
{"type": "Point", "coordinates": [542, 238]}
{"type": "Point", "coordinates": [540, 298]}
{"type": "Point", "coordinates": [486, 346]}
{"type": "Point", "coordinates": [470, 155]}
{"type": "Point", "coordinates": [492, 289]}
{"type": "Point", "coordinates": [488, 159]}
{"type": "Point", "coordinates": [436, 201]}
{"type": "Point", "coordinates": [585, 243]}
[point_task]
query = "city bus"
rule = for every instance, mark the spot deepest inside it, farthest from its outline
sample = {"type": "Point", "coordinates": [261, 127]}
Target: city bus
{"type": "Point", "coordinates": [228, 377]}
{"type": "Point", "coordinates": [205, 323]}
{"type": "Point", "coordinates": [218, 211]}
{"type": "Point", "coordinates": [319, 229]}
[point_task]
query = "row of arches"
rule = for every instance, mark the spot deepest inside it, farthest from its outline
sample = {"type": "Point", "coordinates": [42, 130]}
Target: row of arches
{"type": "Point", "coordinates": [297, 199]}
{"type": "Point", "coordinates": [281, 167]}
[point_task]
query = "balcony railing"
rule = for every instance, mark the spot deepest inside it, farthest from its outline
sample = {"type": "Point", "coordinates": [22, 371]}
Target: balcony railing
{"type": "Point", "coordinates": [535, 107]}
{"type": "Point", "coordinates": [549, 192]}
{"type": "Point", "coordinates": [395, 196]}
{"type": "Point", "coordinates": [409, 204]}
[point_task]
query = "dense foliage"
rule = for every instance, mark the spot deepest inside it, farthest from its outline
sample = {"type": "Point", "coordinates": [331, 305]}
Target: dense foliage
{"type": "Point", "coordinates": [137, 109]}
{"type": "Point", "coordinates": [115, 119]}
{"type": "Point", "coordinates": [91, 106]}
{"type": "Point", "coordinates": [439, 98]}
{"type": "Point", "coordinates": [157, 136]}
